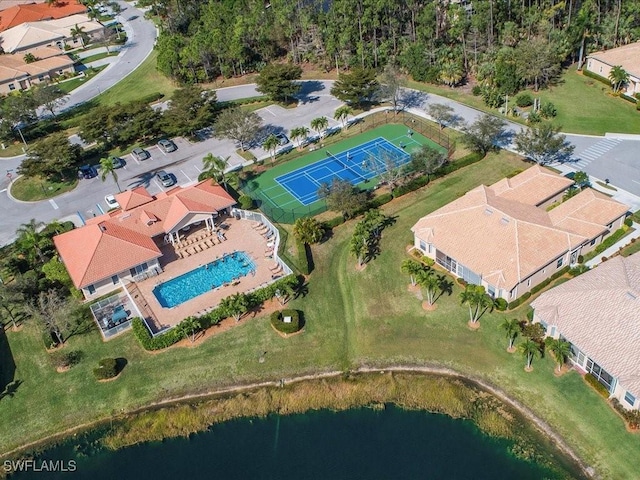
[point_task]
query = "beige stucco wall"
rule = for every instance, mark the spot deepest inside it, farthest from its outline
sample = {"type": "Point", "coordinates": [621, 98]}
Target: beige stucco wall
{"type": "Point", "coordinates": [600, 68]}
{"type": "Point", "coordinates": [105, 286]}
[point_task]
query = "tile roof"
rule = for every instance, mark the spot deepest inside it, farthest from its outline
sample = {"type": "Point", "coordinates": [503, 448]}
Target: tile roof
{"type": "Point", "coordinates": [599, 312]}
{"type": "Point", "coordinates": [533, 186]}
{"type": "Point", "coordinates": [14, 66]}
{"type": "Point", "coordinates": [109, 235]}
{"type": "Point", "coordinates": [35, 12]}
{"type": "Point", "coordinates": [505, 240]}
{"type": "Point", "coordinates": [627, 56]}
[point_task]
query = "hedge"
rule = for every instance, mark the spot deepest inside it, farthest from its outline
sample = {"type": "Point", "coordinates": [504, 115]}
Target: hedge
{"type": "Point", "coordinates": [277, 320]}
{"type": "Point", "coordinates": [593, 381]}
{"type": "Point", "coordinates": [632, 417]}
{"type": "Point", "coordinates": [608, 242]}
{"type": "Point", "coordinates": [107, 368]}
{"type": "Point", "coordinates": [255, 298]}
{"type": "Point", "coordinates": [595, 76]}
{"type": "Point", "coordinates": [380, 200]}
{"type": "Point", "coordinates": [546, 282]}
{"type": "Point", "coordinates": [628, 98]}
{"type": "Point", "coordinates": [501, 304]}
{"type": "Point", "coordinates": [518, 301]}
{"type": "Point", "coordinates": [303, 257]}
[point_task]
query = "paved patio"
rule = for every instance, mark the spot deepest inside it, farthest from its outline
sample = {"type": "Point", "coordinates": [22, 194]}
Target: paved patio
{"type": "Point", "coordinates": [240, 236]}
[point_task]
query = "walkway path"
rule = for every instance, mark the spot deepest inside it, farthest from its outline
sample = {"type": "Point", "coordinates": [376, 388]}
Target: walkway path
{"type": "Point", "coordinates": [623, 242]}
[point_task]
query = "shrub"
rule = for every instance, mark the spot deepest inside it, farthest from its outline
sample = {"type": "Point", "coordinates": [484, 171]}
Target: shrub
{"type": "Point", "coordinates": [107, 368]}
{"type": "Point", "coordinates": [632, 417]}
{"type": "Point", "coordinates": [593, 381]}
{"type": "Point", "coordinates": [546, 282]}
{"type": "Point", "coordinates": [578, 270]}
{"type": "Point", "coordinates": [303, 257]}
{"type": "Point", "coordinates": [66, 359]}
{"type": "Point", "coordinates": [580, 259]}
{"type": "Point", "coordinates": [609, 241]}
{"type": "Point", "coordinates": [524, 100]}
{"type": "Point", "coordinates": [628, 98]}
{"type": "Point", "coordinates": [501, 304]}
{"type": "Point", "coordinates": [476, 91]}
{"type": "Point", "coordinates": [588, 73]}
{"type": "Point", "coordinates": [534, 117]}
{"type": "Point", "coordinates": [548, 110]}
{"type": "Point", "coordinates": [637, 95]}
{"type": "Point", "coordinates": [246, 202]}
{"type": "Point", "coordinates": [277, 320]}
{"type": "Point", "coordinates": [518, 301]}
{"type": "Point", "coordinates": [334, 222]}
{"type": "Point", "coordinates": [49, 339]}
{"type": "Point", "coordinates": [380, 200]}
{"type": "Point", "coordinates": [628, 221]}
{"type": "Point", "coordinates": [534, 331]}
{"type": "Point", "coordinates": [462, 282]}
{"type": "Point", "coordinates": [638, 106]}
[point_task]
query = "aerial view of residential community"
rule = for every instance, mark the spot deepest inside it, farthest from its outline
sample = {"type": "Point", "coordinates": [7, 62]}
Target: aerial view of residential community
{"type": "Point", "coordinates": [320, 239]}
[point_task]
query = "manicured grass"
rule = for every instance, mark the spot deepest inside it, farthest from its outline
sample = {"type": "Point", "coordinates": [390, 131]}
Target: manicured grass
{"type": "Point", "coordinates": [584, 105]}
{"type": "Point", "coordinates": [630, 249]}
{"type": "Point", "coordinates": [98, 56]}
{"type": "Point", "coordinates": [142, 82]}
{"type": "Point", "coordinates": [352, 319]}
{"type": "Point", "coordinates": [74, 83]}
{"type": "Point", "coordinates": [32, 189]}
{"type": "Point", "coordinates": [12, 150]}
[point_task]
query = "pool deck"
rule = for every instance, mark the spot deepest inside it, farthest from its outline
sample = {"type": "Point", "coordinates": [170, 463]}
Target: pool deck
{"type": "Point", "coordinates": [241, 236]}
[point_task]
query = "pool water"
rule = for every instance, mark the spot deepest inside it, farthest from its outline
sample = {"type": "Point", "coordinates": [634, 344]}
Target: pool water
{"type": "Point", "coordinates": [203, 279]}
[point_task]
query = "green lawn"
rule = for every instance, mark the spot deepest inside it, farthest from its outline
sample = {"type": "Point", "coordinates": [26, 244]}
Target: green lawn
{"type": "Point", "coordinates": [584, 105]}
{"type": "Point", "coordinates": [98, 56]}
{"type": "Point", "coordinates": [32, 189]}
{"type": "Point", "coordinates": [74, 83]}
{"type": "Point", "coordinates": [352, 319]}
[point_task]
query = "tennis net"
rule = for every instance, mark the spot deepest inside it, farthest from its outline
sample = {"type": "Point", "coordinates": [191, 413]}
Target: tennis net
{"type": "Point", "coordinates": [345, 166]}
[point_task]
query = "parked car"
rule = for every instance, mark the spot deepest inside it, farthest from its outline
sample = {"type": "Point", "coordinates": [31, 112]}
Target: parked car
{"type": "Point", "coordinates": [140, 154]}
{"type": "Point", "coordinates": [164, 178]}
{"type": "Point", "coordinates": [87, 171]}
{"type": "Point", "coordinates": [117, 162]}
{"type": "Point", "coordinates": [111, 202]}
{"type": "Point", "coordinates": [282, 138]}
{"type": "Point", "coordinates": [167, 146]}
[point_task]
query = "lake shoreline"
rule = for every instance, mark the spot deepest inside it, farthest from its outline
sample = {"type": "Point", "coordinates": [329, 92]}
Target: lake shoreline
{"type": "Point", "coordinates": [363, 373]}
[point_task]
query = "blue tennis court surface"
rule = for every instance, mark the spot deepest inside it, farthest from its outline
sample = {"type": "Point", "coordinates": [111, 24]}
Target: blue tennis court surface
{"type": "Point", "coordinates": [356, 165]}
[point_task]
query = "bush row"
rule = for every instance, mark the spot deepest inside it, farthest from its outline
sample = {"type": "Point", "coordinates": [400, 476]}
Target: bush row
{"type": "Point", "coordinates": [277, 320]}
{"type": "Point", "coordinates": [595, 76]}
{"type": "Point", "coordinates": [303, 258]}
{"type": "Point", "coordinates": [609, 241]}
{"type": "Point", "coordinates": [632, 417]}
{"type": "Point", "coordinates": [214, 317]}
{"type": "Point", "coordinates": [518, 301]}
{"type": "Point", "coordinates": [593, 381]}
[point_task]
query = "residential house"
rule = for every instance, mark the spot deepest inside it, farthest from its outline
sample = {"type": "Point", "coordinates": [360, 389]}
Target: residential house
{"type": "Point", "coordinates": [35, 12]}
{"type": "Point", "coordinates": [598, 313]}
{"type": "Point", "coordinates": [16, 74]}
{"type": "Point", "coordinates": [503, 237]}
{"type": "Point", "coordinates": [627, 56]}
{"type": "Point", "coordinates": [53, 33]}
{"type": "Point", "coordinates": [124, 245]}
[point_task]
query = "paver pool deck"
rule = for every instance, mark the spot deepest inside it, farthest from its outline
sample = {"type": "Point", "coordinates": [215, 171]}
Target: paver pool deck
{"type": "Point", "coordinates": [241, 236]}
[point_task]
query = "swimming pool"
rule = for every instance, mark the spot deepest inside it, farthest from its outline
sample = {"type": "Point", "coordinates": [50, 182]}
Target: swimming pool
{"type": "Point", "coordinates": [203, 279]}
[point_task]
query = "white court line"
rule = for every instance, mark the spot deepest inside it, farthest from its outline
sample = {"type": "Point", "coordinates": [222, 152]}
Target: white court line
{"type": "Point", "coordinates": [53, 204]}
{"type": "Point", "coordinates": [189, 179]}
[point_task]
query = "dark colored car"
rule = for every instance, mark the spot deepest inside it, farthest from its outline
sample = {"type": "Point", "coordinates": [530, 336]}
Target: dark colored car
{"type": "Point", "coordinates": [117, 162]}
{"type": "Point", "coordinates": [164, 178]}
{"type": "Point", "coordinates": [282, 138]}
{"type": "Point", "coordinates": [167, 146]}
{"type": "Point", "coordinates": [140, 154]}
{"type": "Point", "coordinates": [87, 171]}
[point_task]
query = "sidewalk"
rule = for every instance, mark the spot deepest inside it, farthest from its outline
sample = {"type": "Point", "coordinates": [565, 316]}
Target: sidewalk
{"type": "Point", "coordinates": [615, 247]}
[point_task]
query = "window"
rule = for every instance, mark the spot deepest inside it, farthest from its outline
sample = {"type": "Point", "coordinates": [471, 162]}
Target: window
{"type": "Point", "coordinates": [630, 399]}
{"type": "Point", "coordinates": [512, 294]}
{"type": "Point", "coordinates": [91, 289]}
{"type": "Point", "coordinates": [41, 77]}
{"type": "Point", "coordinates": [430, 248]}
{"type": "Point", "coordinates": [491, 290]}
{"type": "Point", "coordinates": [574, 257]}
{"type": "Point", "coordinates": [115, 279]}
{"type": "Point", "coordinates": [423, 246]}
{"type": "Point", "coordinates": [593, 242]}
{"type": "Point", "coordinates": [528, 282]}
{"type": "Point", "coordinates": [138, 269]}
{"type": "Point", "coordinates": [560, 262]}
{"type": "Point", "coordinates": [609, 226]}
{"type": "Point", "coordinates": [12, 87]}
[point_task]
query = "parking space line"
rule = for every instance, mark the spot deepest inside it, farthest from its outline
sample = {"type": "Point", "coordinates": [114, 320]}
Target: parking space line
{"type": "Point", "coordinates": [158, 185]}
{"type": "Point", "coordinates": [99, 208]}
{"type": "Point", "coordinates": [135, 159]}
{"type": "Point", "coordinates": [196, 167]}
{"type": "Point", "coordinates": [188, 179]}
{"type": "Point", "coordinates": [53, 204]}
{"type": "Point", "coordinates": [267, 109]}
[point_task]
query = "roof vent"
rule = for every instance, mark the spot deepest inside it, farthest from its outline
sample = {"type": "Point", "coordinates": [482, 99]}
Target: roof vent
{"type": "Point", "coordinates": [504, 220]}
{"type": "Point", "coordinates": [631, 296]}
{"type": "Point", "coordinates": [103, 227]}
{"type": "Point", "coordinates": [124, 215]}
{"type": "Point", "coordinates": [488, 211]}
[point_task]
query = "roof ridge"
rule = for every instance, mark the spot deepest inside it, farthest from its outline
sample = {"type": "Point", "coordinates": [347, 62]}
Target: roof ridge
{"type": "Point", "coordinates": [518, 252]}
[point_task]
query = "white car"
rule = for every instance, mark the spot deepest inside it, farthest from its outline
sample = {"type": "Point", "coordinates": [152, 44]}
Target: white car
{"type": "Point", "coordinates": [111, 201]}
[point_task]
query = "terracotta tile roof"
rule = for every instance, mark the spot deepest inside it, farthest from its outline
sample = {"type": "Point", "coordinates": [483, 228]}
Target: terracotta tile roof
{"type": "Point", "coordinates": [95, 252]}
{"type": "Point", "coordinates": [35, 12]}
{"type": "Point", "coordinates": [599, 312]}
{"type": "Point", "coordinates": [128, 234]}
{"type": "Point", "coordinates": [533, 186]}
{"type": "Point", "coordinates": [506, 241]}
{"type": "Point", "coordinates": [14, 66]}
{"type": "Point", "coordinates": [133, 198]}
{"type": "Point", "coordinates": [627, 56]}
{"type": "Point", "coordinates": [586, 211]}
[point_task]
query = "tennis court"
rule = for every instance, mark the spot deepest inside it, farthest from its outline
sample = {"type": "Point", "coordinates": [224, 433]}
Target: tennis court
{"type": "Point", "coordinates": [290, 190]}
{"type": "Point", "coordinates": [355, 165]}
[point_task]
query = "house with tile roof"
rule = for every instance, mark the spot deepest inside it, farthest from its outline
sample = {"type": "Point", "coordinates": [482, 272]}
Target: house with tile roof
{"type": "Point", "coordinates": [503, 237]}
{"type": "Point", "coordinates": [627, 56]}
{"type": "Point", "coordinates": [34, 12]}
{"type": "Point", "coordinates": [598, 313]}
{"type": "Point", "coordinates": [16, 74]}
{"type": "Point", "coordinates": [126, 244]}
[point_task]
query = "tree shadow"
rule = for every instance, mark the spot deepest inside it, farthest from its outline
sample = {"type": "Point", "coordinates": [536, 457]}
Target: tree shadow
{"type": "Point", "coordinates": [121, 362]}
{"type": "Point", "coordinates": [7, 363]}
{"type": "Point", "coordinates": [413, 99]}
{"type": "Point", "coordinates": [504, 138]}
{"type": "Point", "coordinates": [445, 286]}
{"type": "Point", "coordinates": [11, 389]}
{"type": "Point", "coordinates": [308, 90]}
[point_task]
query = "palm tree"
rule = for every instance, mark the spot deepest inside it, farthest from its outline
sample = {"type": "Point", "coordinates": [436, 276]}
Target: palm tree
{"type": "Point", "coordinates": [235, 305]}
{"type": "Point", "coordinates": [299, 133]}
{"type": "Point", "coordinates": [215, 168]}
{"type": "Point", "coordinates": [30, 58]}
{"type": "Point", "coordinates": [618, 77]}
{"type": "Point", "coordinates": [308, 230]}
{"type": "Point", "coordinates": [189, 327]}
{"type": "Point", "coordinates": [271, 144]}
{"type": "Point", "coordinates": [319, 124]}
{"type": "Point", "coordinates": [477, 300]}
{"type": "Point", "coordinates": [529, 349]}
{"type": "Point", "coordinates": [358, 247]}
{"type": "Point", "coordinates": [342, 113]}
{"type": "Point", "coordinates": [412, 268]}
{"type": "Point", "coordinates": [30, 240]}
{"type": "Point", "coordinates": [430, 283]}
{"type": "Point", "coordinates": [511, 329]}
{"type": "Point", "coordinates": [560, 350]}
{"type": "Point", "coordinates": [108, 167]}
{"type": "Point", "coordinates": [78, 32]}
